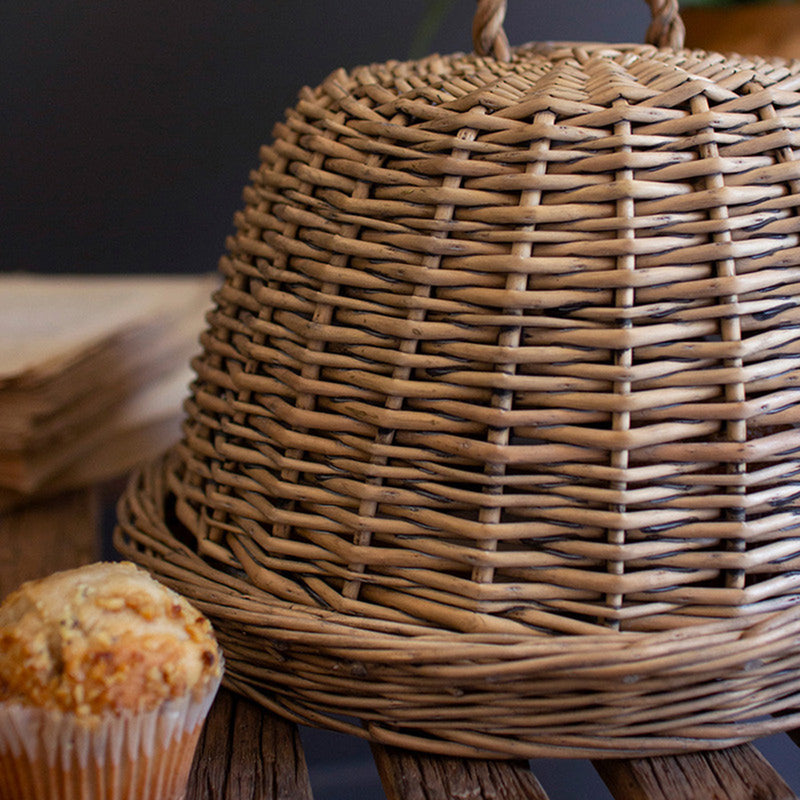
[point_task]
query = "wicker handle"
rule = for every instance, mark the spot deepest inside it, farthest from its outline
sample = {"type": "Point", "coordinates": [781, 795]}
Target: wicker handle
{"type": "Point", "coordinates": [488, 37]}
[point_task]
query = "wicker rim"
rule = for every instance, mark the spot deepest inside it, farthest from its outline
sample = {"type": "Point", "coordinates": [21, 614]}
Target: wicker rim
{"type": "Point", "coordinates": [488, 37]}
{"type": "Point", "coordinates": [474, 695]}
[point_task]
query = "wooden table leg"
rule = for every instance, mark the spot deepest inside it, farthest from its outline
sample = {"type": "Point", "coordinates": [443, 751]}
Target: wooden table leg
{"type": "Point", "coordinates": [738, 773]}
{"type": "Point", "coordinates": [47, 535]}
{"type": "Point", "coordinates": [247, 753]}
{"type": "Point", "coordinates": [414, 776]}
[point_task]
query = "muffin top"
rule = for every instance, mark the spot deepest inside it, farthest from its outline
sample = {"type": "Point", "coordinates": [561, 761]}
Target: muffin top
{"type": "Point", "coordinates": [106, 637]}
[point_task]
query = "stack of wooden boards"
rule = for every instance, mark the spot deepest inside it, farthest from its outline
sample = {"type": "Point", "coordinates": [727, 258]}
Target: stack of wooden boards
{"type": "Point", "coordinates": [93, 374]}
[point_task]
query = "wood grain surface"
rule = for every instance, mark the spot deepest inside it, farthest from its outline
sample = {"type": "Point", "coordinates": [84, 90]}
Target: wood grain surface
{"type": "Point", "coordinates": [248, 754]}
{"type": "Point", "coordinates": [739, 773]}
{"type": "Point", "coordinates": [413, 776]}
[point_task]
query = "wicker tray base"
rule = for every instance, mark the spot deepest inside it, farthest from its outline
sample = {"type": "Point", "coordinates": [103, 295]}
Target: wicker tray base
{"type": "Point", "coordinates": [612, 695]}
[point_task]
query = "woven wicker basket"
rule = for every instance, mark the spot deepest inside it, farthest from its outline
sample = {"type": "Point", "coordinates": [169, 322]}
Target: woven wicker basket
{"type": "Point", "coordinates": [493, 447]}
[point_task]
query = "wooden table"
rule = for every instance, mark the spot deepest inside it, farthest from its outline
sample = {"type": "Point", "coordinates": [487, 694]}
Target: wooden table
{"type": "Point", "coordinates": [247, 753]}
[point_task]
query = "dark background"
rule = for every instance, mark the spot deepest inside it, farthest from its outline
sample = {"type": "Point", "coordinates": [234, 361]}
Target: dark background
{"type": "Point", "coordinates": [127, 132]}
{"type": "Point", "coordinates": [128, 127]}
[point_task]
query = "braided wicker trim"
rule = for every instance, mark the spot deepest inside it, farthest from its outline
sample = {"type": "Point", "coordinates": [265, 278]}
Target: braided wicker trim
{"type": "Point", "coordinates": [492, 695]}
{"type": "Point", "coordinates": [488, 37]}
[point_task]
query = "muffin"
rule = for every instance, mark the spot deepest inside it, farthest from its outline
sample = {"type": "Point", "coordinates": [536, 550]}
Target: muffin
{"type": "Point", "coordinates": [105, 679]}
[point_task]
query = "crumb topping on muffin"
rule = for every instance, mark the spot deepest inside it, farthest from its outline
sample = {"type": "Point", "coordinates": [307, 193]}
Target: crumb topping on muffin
{"type": "Point", "coordinates": [106, 637]}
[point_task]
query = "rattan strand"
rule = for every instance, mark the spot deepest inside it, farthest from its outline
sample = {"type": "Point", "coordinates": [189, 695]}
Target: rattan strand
{"type": "Point", "coordinates": [493, 446]}
{"type": "Point", "coordinates": [666, 27]}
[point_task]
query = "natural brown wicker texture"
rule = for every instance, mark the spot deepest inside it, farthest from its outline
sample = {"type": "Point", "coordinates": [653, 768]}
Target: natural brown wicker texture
{"type": "Point", "coordinates": [494, 443]}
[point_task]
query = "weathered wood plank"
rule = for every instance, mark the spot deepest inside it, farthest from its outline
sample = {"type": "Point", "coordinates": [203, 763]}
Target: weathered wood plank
{"type": "Point", "coordinates": [413, 776]}
{"type": "Point", "coordinates": [738, 773]}
{"type": "Point", "coordinates": [44, 536]}
{"type": "Point", "coordinates": [247, 753]}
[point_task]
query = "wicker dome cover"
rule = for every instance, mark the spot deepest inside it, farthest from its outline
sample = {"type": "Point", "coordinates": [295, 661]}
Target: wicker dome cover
{"type": "Point", "coordinates": [494, 446]}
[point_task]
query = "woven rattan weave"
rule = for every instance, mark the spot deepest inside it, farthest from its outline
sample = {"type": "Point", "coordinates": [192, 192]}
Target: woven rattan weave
{"type": "Point", "coordinates": [494, 446]}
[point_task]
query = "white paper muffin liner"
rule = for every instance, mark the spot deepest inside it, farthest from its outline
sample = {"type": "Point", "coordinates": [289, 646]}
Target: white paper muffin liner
{"type": "Point", "coordinates": [53, 755]}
